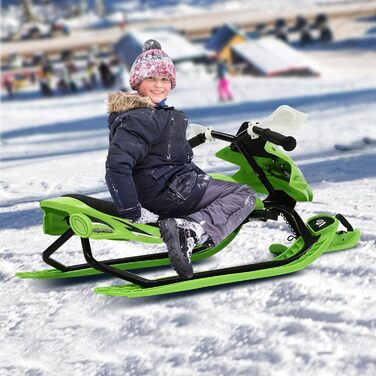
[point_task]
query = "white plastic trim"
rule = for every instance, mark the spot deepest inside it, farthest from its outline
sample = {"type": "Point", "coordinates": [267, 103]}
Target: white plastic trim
{"type": "Point", "coordinates": [250, 129]}
{"type": "Point", "coordinates": [198, 129]}
{"type": "Point", "coordinates": [285, 120]}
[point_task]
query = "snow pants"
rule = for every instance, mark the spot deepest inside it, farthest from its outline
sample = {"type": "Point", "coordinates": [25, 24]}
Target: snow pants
{"type": "Point", "coordinates": [224, 92]}
{"type": "Point", "coordinates": [223, 208]}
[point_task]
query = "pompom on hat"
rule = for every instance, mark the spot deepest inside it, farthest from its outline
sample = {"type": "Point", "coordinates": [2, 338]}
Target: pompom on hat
{"type": "Point", "coordinates": [152, 62]}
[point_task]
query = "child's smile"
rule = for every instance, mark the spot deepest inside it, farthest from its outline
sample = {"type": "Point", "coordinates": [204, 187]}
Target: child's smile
{"type": "Point", "coordinates": [156, 88]}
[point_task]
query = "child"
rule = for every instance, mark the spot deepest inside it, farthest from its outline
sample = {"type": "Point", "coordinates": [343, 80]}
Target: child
{"type": "Point", "coordinates": [224, 92]}
{"type": "Point", "coordinates": [149, 166]}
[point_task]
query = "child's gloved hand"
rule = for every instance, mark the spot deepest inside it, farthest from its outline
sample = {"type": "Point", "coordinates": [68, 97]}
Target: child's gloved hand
{"type": "Point", "coordinates": [146, 217]}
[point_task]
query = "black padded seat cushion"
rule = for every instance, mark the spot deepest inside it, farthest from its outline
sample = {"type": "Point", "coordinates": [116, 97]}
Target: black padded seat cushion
{"type": "Point", "coordinates": [107, 207]}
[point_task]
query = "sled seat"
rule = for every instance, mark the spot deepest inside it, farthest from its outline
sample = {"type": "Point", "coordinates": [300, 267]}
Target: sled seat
{"type": "Point", "coordinates": [106, 207]}
{"type": "Point", "coordinates": [93, 218]}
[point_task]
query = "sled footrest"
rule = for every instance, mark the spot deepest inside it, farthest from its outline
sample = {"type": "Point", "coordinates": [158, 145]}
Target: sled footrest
{"type": "Point", "coordinates": [344, 222]}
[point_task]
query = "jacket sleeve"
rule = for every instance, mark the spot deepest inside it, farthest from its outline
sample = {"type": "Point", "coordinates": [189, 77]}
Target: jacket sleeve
{"type": "Point", "coordinates": [129, 145]}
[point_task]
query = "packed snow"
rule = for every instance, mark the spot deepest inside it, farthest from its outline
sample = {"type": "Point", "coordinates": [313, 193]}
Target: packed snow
{"type": "Point", "coordinates": [321, 321]}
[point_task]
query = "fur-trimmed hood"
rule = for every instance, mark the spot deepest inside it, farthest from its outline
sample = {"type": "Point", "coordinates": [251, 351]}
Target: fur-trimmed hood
{"type": "Point", "coordinates": [119, 101]}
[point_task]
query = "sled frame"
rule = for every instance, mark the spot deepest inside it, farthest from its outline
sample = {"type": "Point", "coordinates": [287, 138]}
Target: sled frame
{"type": "Point", "coordinates": [109, 266]}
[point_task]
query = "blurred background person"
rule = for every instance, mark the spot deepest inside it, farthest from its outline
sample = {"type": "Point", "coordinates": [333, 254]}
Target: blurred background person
{"type": "Point", "coordinates": [46, 76]}
{"type": "Point", "coordinates": [223, 86]}
{"type": "Point", "coordinates": [91, 74]}
{"type": "Point", "coordinates": [106, 75]}
{"type": "Point", "coordinates": [8, 85]}
{"type": "Point", "coordinates": [72, 75]}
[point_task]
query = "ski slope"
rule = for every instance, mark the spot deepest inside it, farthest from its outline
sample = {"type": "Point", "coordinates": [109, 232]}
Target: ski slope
{"type": "Point", "coordinates": [321, 321]}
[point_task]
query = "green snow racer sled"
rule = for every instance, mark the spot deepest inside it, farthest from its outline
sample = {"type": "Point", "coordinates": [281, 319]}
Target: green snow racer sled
{"type": "Point", "coordinates": [261, 164]}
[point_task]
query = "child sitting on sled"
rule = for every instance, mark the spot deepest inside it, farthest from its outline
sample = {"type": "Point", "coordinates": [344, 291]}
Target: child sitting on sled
{"type": "Point", "coordinates": [149, 168]}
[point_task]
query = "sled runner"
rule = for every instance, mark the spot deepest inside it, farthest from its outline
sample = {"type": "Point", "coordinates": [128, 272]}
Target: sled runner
{"type": "Point", "coordinates": [261, 164]}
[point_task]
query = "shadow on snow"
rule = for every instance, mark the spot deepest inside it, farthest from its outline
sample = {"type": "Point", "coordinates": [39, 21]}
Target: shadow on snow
{"type": "Point", "coordinates": [21, 219]}
{"type": "Point", "coordinates": [344, 168]}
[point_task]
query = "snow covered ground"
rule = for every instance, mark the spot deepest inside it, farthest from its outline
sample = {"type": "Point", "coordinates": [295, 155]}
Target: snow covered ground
{"type": "Point", "coordinates": [321, 321]}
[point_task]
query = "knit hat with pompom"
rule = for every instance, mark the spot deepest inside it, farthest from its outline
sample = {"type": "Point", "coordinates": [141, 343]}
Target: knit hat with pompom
{"type": "Point", "coordinates": [152, 62]}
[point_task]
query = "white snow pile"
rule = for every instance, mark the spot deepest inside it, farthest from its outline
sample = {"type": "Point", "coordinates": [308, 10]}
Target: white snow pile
{"type": "Point", "coordinates": [321, 321]}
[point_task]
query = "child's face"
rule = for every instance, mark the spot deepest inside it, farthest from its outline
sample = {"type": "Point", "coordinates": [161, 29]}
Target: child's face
{"type": "Point", "coordinates": [156, 88]}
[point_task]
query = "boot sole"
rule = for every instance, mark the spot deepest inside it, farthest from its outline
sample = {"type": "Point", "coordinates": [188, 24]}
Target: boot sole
{"type": "Point", "coordinates": [170, 236]}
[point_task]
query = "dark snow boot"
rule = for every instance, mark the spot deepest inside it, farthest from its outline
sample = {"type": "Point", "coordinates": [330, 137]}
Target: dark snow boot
{"type": "Point", "coordinates": [180, 237]}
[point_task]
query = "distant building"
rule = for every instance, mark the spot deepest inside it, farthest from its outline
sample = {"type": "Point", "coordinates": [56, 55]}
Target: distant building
{"type": "Point", "coordinates": [223, 39]}
{"type": "Point", "coordinates": [179, 48]}
{"type": "Point", "coordinates": [269, 56]}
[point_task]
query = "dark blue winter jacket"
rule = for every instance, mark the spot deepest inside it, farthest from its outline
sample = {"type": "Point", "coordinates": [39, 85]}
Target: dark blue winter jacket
{"type": "Point", "coordinates": [149, 159]}
{"type": "Point", "coordinates": [221, 70]}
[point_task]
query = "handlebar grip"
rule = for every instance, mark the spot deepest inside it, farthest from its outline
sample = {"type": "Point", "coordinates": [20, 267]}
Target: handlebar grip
{"type": "Point", "coordinates": [287, 142]}
{"type": "Point", "coordinates": [197, 140]}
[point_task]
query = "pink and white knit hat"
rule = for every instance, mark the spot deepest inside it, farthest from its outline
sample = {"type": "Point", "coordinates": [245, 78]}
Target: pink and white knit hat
{"type": "Point", "coordinates": [152, 62]}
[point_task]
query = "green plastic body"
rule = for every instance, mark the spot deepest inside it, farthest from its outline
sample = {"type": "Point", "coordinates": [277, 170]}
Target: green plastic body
{"type": "Point", "coordinates": [281, 171]}
{"type": "Point", "coordinates": [87, 222]}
